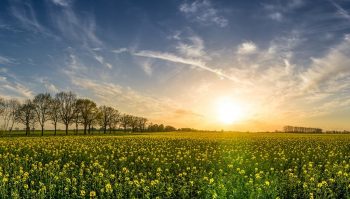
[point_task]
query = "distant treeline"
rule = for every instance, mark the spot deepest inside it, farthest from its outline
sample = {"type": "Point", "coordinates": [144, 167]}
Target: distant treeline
{"type": "Point", "coordinates": [66, 109]}
{"type": "Point", "coordinates": [297, 129]}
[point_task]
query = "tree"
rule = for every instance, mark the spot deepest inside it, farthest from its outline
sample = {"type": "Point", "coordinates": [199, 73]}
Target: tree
{"type": "Point", "coordinates": [114, 120]}
{"type": "Point", "coordinates": [106, 116]}
{"type": "Point", "coordinates": [161, 128]}
{"type": "Point", "coordinates": [125, 121]}
{"type": "Point", "coordinates": [54, 113]}
{"type": "Point", "coordinates": [2, 105]}
{"type": "Point", "coordinates": [42, 104]}
{"type": "Point", "coordinates": [169, 128]}
{"type": "Point", "coordinates": [133, 122]}
{"type": "Point", "coordinates": [10, 108]}
{"type": "Point", "coordinates": [26, 115]}
{"type": "Point", "coordinates": [142, 123]}
{"type": "Point", "coordinates": [67, 109]}
{"type": "Point", "coordinates": [77, 115]}
{"type": "Point", "coordinates": [88, 112]}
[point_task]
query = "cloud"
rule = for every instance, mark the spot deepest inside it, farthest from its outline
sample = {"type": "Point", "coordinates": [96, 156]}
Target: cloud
{"type": "Point", "coordinates": [192, 62]}
{"type": "Point", "coordinates": [332, 66]}
{"type": "Point", "coordinates": [109, 65]}
{"type": "Point", "coordinates": [63, 3]}
{"type": "Point", "coordinates": [248, 47]}
{"type": "Point", "coordinates": [6, 60]}
{"type": "Point", "coordinates": [101, 60]}
{"type": "Point", "coordinates": [278, 10]}
{"type": "Point", "coordinates": [147, 67]}
{"type": "Point", "coordinates": [276, 16]}
{"type": "Point", "coordinates": [120, 50]}
{"type": "Point", "coordinates": [88, 83]}
{"type": "Point", "coordinates": [10, 87]}
{"type": "Point", "coordinates": [194, 48]}
{"type": "Point", "coordinates": [51, 88]}
{"type": "Point", "coordinates": [341, 11]}
{"type": "Point", "coordinates": [202, 11]}
{"type": "Point", "coordinates": [76, 28]}
{"type": "Point", "coordinates": [25, 14]}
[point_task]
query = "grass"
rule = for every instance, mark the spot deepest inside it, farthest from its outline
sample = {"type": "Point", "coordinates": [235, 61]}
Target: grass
{"type": "Point", "coordinates": [176, 165]}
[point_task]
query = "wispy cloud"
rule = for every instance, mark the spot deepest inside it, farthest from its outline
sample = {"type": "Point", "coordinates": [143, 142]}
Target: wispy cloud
{"type": "Point", "coordinates": [248, 47]}
{"type": "Point", "coordinates": [334, 65]}
{"type": "Point", "coordinates": [123, 98]}
{"type": "Point", "coordinates": [276, 16]}
{"type": "Point", "coordinates": [27, 17]}
{"type": "Point", "coordinates": [203, 11]}
{"type": "Point", "coordinates": [341, 11]}
{"type": "Point", "coordinates": [147, 67]}
{"type": "Point", "coordinates": [277, 11]}
{"type": "Point", "coordinates": [120, 50]}
{"type": "Point", "coordinates": [10, 87]}
{"type": "Point", "coordinates": [49, 87]}
{"type": "Point", "coordinates": [6, 60]}
{"type": "Point", "coordinates": [75, 28]}
{"type": "Point", "coordinates": [193, 48]}
{"type": "Point", "coordinates": [191, 62]}
{"type": "Point", "coordinates": [63, 3]}
{"type": "Point", "coordinates": [102, 61]}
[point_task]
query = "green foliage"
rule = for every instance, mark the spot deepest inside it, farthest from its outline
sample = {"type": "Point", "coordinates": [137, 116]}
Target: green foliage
{"type": "Point", "coordinates": [176, 165]}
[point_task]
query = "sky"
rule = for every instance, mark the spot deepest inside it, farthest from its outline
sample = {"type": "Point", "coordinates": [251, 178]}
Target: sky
{"type": "Point", "coordinates": [275, 63]}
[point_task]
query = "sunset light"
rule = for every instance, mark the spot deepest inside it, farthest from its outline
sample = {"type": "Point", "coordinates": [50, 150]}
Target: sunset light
{"type": "Point", "coordinates": [229, 111]}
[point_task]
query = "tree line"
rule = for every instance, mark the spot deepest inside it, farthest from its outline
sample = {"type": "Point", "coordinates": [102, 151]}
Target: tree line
{"type": "Point", "coordinates": [65, 108]}
{"type": "Point", "coordinates": [296, 129]}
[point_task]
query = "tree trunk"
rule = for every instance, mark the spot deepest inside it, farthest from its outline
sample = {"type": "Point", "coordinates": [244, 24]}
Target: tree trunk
{"type": "Point", "coordinates": [55, 128]}
{"type": "Point", "coordinates": [85, 126]}
{"type": "Point", "coordinates": [27, 129]}
{"type": "Point", "coordinates": [11, 127]}
{"type": "Point", "coordinates": [76, 128]}
{"type": "Point", "coordinates": [105, 129]}
{"type": "Point", "coordinates": [42, 130]}
{"type": "Point", "coordinates": [66, 129]}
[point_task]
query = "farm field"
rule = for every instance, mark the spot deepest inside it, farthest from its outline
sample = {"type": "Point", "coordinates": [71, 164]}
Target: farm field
{"type": "Point", "coordinates": [176, 165]}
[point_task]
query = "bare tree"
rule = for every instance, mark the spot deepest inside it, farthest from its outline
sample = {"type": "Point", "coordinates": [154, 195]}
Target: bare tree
{"type": "Point", "coordinates": [67, 109]}
{"type": "Point", "coordinates": [54, 113]}
{"type": "Point", "coordinates": [77, 115]}
{"type": "Point", "coordinates": [42, 104]}
{"type": "Point", "coordinates": [9, 113]}
{"type": "Point", "coordinates": [88, 112]}
{"type": "Point", "coordinates": [109, 117]}
{"type": "Point", "coordinates": [133, 122]}
{"type": "Point", "coordinates": [125, 121]}
{"type": "Point", "coordinates": [142, 123]}
{"type": "Point", "coordinates": [105, 117]}
{"type": "Point", "coordinates": [26, 115]}
{"type": "Point", "coordinates": [2, 105]}
{"type": "Point", "coordinates": [114, 120]}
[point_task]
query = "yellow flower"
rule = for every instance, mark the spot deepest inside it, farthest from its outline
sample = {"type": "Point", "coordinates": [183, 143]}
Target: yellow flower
{"type": "Point", "coordinates": [92, 193]}
{"type": "Point", "coordinates": [82, 193]}
{"type": "Point", "coordinates": [211, 180]}
{"type": "Point", "coordinates": [267, 183]}
{"type": "Point", "coordinates": [25, 186]}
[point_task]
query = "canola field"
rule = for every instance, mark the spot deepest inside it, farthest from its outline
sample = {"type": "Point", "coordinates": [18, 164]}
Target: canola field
{"type": "Point", "coordinates": [176, 165]}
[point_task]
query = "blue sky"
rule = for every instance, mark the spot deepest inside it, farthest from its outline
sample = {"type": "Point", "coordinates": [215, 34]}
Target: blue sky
{"type": "Point", "coordinates": [280, 62]}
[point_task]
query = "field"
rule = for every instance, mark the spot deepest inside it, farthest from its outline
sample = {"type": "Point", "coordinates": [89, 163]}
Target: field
{"type": "Point", "coordinates": [176, 165]}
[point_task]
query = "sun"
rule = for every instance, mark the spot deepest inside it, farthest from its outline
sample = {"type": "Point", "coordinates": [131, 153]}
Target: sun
{"type": "Point", "coordinates": [228, 110]}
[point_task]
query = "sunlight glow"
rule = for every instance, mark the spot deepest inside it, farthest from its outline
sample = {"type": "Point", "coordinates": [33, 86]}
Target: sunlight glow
{"type": "Point", "coordinates": [229, 111]}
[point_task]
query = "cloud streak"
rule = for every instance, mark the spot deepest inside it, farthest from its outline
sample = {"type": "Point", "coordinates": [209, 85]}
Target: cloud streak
{"type": "Point", "coordinates": [191, 62]}
{"type": "Point", "coordinates": [202, 11]}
